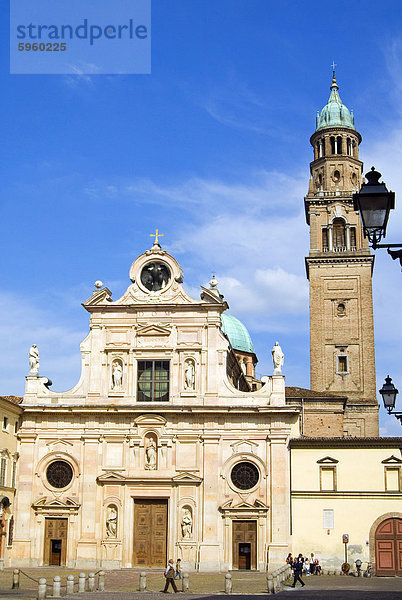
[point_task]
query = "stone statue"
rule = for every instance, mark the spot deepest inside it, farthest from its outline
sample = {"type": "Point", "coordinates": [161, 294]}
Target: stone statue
{"type": "Point", "coordinates": [277, 358]}
{"type": "Point", "coordinates": [34, 361]}
{"type": "Point", "coordinates": [189, 375]}
{"type": "Point", "coordinates": [111, 522]}
{"type": "Point", "coordinates": [117, 375]}
{"type": "Point", "coordinates": [150, 455]}
{"type": "Point", "coordinates": [186, 524]}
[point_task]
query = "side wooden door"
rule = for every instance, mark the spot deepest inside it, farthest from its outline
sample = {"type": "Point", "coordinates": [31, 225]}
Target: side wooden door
{"type": "Point", "coordinates": [388, 548]}
{"type": "Point", "coordinates": [244, 538]}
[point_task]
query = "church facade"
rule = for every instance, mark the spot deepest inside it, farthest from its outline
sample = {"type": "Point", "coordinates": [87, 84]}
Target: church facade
{"type": "Point", "coordinates": [168, 446]}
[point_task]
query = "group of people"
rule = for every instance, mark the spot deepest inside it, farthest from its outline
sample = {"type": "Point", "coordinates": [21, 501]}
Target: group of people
{"type": "Point", "coordinates": [172, 572]}
{"type": "Point", "coordinates": [303, 565]}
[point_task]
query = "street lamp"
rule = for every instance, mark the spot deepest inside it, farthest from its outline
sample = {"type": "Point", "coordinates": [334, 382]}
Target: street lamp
{"type": "Point", "coordinates": [374, 203]}
{"type": "Point", "coordinates": [389, 394]}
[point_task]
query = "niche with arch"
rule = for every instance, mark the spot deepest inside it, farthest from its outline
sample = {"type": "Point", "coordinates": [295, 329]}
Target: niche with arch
{"type": "Point", "coordinates": [151, 452]}
{"type": "Point", "coordinates": [111, 521]}
{"type": "Point", "coordinates": [117, 372]}
{"type": "Point", "coordinates": [186, 522]}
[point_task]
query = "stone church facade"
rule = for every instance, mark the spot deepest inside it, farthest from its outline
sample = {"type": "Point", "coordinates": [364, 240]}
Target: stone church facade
{"type": "Point", "coordinates": [168, 446]}
{"type": "Point", "coordinates": [160, 450]}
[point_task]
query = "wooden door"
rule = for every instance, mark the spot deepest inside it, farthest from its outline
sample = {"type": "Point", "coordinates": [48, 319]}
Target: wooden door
{"type": "Point", "coordinates": [150, 533]}
{"type": "Point", "coordinates": [244, 547]}
{"type": "Point", "coordinates": [388, 548]}
{"type": "Point", "coordinates": [55, 550]}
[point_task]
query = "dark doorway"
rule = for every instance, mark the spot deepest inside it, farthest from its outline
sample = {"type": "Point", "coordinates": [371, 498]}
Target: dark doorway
{"type": "Point", "coordinates": [244, 556]}
{"type": "Point", "coordinates": [55, 552]}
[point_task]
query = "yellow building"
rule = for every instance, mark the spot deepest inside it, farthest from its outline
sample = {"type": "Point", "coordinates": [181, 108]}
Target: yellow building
{"type": "Point", "coordinates": [10, 412]}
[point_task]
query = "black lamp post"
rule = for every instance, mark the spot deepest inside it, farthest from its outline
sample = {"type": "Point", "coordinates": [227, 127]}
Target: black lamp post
{"type": "Point", "coordinates": [374, 203]}
{"type": "Point", "coordinates": [389, 394]}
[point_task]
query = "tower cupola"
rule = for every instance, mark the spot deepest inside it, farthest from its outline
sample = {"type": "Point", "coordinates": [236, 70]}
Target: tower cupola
{"type": "Point", "coordinates": [334, 113]}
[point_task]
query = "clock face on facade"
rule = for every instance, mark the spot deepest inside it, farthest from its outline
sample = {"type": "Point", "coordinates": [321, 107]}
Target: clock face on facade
{"type": "Point", "coordinates": [155, 276]}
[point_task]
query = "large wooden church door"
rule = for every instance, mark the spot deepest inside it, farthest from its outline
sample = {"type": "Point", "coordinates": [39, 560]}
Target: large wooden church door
{"type": "Point", "coordinates": [244, 552]}
{"type": "Point", "coordinates": [55, 550]}
{"type": "Point", "coordinates": [150, 533]}
{"type": "Point", "coordinates": [388, 547]}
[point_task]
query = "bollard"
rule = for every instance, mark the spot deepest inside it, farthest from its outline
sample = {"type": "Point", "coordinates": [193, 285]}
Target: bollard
{"type": "Point", "coordinates": [228, 583]}
{"type": "Point", "coordinates": [70, 585]}
{"type": "Point", "coordinates": [143, 581]}
{"type": "Point", "coordinates": [270, 584]}
{"type": "Point", "coordinates": [56, 586]}
{"type": "Point", "coordinates": [91, 582]}
{"type": "Point", "coordinates": [101, 581]}
{"type": "Point", "coordinates": [81, 583]}
{"type": "Point", "coordinates": [16, 579]}
{"type": "Point", "coordinates": [185, 582]}
{"type": "Point", "coordinates": [42, 589]}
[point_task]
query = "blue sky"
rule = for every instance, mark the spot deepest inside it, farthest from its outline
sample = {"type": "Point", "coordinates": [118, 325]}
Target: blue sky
{"type": "Point", "coordinates": [213, 149]}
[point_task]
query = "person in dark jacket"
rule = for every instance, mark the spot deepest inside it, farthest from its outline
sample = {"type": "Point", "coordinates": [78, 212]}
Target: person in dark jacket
{"type": "Point", "coordinates": [298, 569]}
{"type": "Point", "coordinates": [169, 574]}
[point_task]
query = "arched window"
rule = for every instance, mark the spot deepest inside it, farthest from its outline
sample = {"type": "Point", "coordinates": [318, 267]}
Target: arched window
{"type": "Point", "coordinates": [339, 235]}
{"type": "Point", "coordinates": [339, 145]}
{"type": "Point", "coordinates": [349, 146]}
{"type": "Point", "coordinates": [333, 145]}
{"type": "Point", "coordinates": [323, 147]}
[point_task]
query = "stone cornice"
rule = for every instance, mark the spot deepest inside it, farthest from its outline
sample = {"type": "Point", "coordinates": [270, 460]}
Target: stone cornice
{"type": "Point", "coordinates": [174, 408]}
{"type": "Point", "coordinates": [346, 442]}
{"type": "Point", "coordinates": [361, 494]}
{"type": "Point", "coordinates": [339, 261]}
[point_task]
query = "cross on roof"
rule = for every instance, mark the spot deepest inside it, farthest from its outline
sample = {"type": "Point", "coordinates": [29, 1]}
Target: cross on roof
{"type": "Point", "coordinates": [333, 67]}
{"type": "Point", "coordinates": [156, 235]}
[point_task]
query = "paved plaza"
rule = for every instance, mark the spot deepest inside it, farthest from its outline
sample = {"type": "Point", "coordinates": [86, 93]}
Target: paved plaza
{"type": "Point", "coordinates": [123, 585]}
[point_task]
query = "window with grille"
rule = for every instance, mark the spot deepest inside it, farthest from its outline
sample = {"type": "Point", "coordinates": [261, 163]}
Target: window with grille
{"type": "Point", "coordinates": [353, 238]}
{"type": "Point", "coordinates": [153, 381]}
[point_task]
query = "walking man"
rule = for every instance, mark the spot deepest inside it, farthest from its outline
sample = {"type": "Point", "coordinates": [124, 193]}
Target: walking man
{"type": "Point", "coordinates": [169, 575]}
{"type": "Point", "coordinates": [298, 569]}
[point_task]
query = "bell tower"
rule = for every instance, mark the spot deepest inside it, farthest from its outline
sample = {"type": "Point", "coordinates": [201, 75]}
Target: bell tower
{"type": "Point", "coordinates": [339, 268]}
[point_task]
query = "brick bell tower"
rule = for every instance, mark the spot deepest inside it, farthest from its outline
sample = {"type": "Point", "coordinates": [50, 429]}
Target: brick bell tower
{"type": "Point", "coordinates": [339, 268]}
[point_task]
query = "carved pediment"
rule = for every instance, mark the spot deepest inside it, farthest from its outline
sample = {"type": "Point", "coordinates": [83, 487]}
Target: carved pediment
{"type": "Point", "coordinates": [99, 297]}
{"type": "Point", "coordinates": [392, 460]}
{"type": "Point", "coordinates": [154, 329]}
{"type": "Point", "coordinates": [150, 420]}
{"type": "Point", "coordinates": [211, 296]}
{"type": "Point", "coordinates": [243, 446]}
{"type": "Point", "coordinates": [55, 505]}
{"type": "Point", "coordinates": [327, 460]}
{"type": "Point", "coordinates": [111, 477]}
{"type": "Point", "coordinates": [187, 478]}
{"type": "Point", "coordinates": [244, 507]}
{"type": "Point", "coordinates": [56, 444]}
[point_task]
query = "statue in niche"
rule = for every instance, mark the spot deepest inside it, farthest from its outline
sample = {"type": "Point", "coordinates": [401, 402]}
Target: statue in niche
{"type": "Point", "coordinates": [277, 358]}
{"type": "Point", "coordinates": [150, 455]}
{"type": "Point", "coordinates": [186, 524]}
{"type": "Point", "coordinates": [111, 522]}
{"type": "Point", "coordinates": [189, 375]}
{"type": "Point", "coordinates": [34, 360]}
{"type": "Point", "coordinates": [117, 375]}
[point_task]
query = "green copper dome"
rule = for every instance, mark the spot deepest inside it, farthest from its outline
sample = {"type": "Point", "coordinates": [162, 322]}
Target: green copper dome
{"type": "Point", "coordinates": [238, 335]}
{"type": "Point", "coordinates": [334, 113]}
